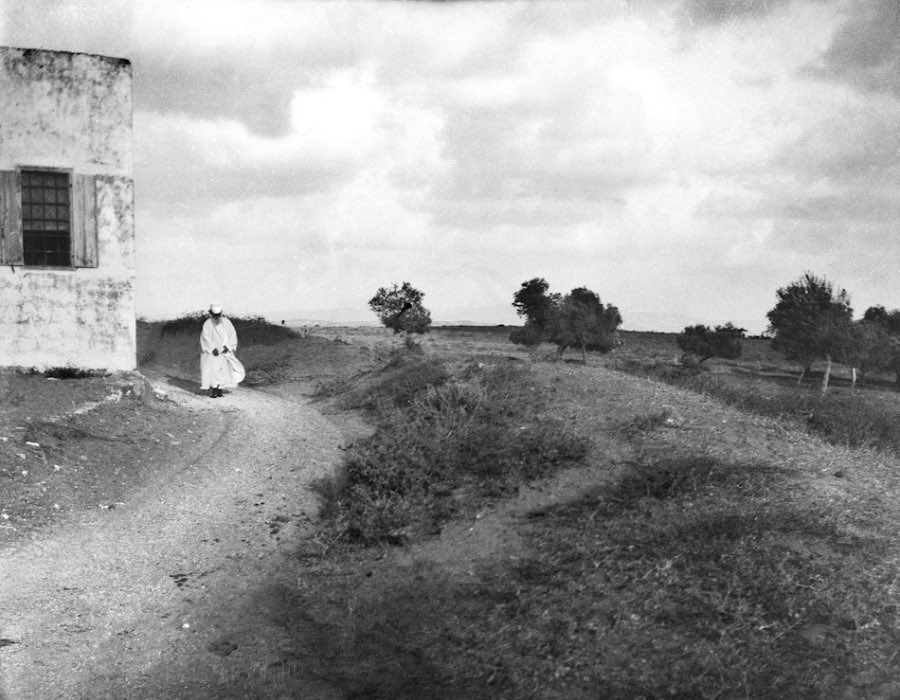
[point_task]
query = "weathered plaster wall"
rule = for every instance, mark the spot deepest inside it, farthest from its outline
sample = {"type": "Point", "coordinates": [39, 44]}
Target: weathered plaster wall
{"type": "Point", "coordinates": [72, 111]}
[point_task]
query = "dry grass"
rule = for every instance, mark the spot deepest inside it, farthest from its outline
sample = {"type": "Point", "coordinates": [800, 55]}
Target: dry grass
{"type": "Point", "coordinates": [713, 548]}
{"type": "Point", "coordinates": [270, 353]}
{"type": "Point", "coordinates": [867, 416]}
{"type": "Point", "coordinates": [712, 553]}
{"type": "Point", "coordinates": [445, 442]}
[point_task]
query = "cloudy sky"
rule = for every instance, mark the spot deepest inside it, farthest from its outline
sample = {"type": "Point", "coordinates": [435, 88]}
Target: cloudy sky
{"type": "Point", "coordinates": [682, 158]}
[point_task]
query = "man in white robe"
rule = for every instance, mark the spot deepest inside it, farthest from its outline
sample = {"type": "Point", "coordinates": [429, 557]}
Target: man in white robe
{"type": "Point", "coordinates": [219, 368]}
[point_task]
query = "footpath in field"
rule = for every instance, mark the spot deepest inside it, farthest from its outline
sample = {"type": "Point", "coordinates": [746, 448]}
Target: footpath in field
{"type": "Point", "coordinates": [179, 591]}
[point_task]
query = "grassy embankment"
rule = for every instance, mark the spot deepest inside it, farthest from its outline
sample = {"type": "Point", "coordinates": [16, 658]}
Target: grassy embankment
{"type": "Point", "coordinates": [714, 550]}
{"type": "Point", "coordinates": [174, 344]}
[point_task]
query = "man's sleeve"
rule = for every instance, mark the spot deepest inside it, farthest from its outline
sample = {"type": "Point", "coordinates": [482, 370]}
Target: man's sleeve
{"type": "Point", "coordinates": [206, 341]}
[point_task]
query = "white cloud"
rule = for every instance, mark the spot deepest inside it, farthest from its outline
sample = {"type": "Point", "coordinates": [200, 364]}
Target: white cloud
{"type": "Point", "coordinates": [313, 151]}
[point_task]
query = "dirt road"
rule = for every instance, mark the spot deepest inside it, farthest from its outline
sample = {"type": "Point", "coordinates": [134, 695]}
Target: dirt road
{"type": "Point", "coordinates": [177, 592]}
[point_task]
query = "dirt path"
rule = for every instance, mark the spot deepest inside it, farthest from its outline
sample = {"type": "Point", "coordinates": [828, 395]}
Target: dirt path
{"type": "Point", "coordinates": [176, 593]}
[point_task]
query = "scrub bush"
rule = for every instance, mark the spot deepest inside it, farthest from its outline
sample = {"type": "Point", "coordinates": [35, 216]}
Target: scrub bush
{"type": "Point", "coordinates": [396, 385]}
{"type": "Point", "coordinates": [73, 373]}
{"type": "Point", "coordinates": [448, 447]}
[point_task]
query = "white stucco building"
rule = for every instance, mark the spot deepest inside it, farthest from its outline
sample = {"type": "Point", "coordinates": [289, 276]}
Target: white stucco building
{"type": "Point", "coordinates": [66, 211]}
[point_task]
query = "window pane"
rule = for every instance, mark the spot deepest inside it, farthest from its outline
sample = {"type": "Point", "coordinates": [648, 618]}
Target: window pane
{"type": "Point", "coordinates": [45, 218]}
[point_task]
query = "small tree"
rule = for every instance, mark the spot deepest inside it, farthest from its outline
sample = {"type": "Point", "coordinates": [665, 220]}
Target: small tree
{"type": "Point", "coordinates": [400, 308]}
{"type": "Point", "coordinates": [533, 303]}
{"type": "Point", "coordinates": [894, 363]}
{"type": "Point", "coordinates": [890, 322]}
{"type": "Point", "coordinates": [705, 343]}
{"type": "Point", "coordinates": [870, 349]}
{"type": "Point", "coordinates": [580, 320]}
{"type": "Point", "coordinates": [811, 321]}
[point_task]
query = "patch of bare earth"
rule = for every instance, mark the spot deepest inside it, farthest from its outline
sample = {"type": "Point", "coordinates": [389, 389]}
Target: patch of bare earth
{"type": "Point", "coordinates": [166, 569]}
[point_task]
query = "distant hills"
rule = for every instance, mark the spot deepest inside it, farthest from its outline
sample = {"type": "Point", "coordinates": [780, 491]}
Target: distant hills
{"type": "Point", "coordinates": [491, 316]}
{"type": "Point", "coordinates": [471, 316]}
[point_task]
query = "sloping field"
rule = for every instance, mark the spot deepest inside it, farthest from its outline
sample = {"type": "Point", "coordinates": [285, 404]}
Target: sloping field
{"type": "Point", "coordinates": [699, 552]}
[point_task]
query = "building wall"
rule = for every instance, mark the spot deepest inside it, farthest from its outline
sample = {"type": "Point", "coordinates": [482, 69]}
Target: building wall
{"type": "Point", "coordinates": [72, 112]}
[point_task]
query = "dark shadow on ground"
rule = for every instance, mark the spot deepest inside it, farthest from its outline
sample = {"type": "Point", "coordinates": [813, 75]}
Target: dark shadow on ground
{"type": "Point", "coordinates": [186, 384]}
{"type": "Point", "coordinates": [334, 639]}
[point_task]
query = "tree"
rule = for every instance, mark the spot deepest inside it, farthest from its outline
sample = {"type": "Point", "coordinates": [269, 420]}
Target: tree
{"type": "Point", "coordinates": [580, 320]}
{"type": "Point", "coordinates": [890, 322]}
{"type": "Point", "coordinates": [811, 321]}
{"type": "Point", "coordinates": [894, 363]}
{"type": "Point", "coordinates": [870, 348]}
{"type": "Point", "coordinates": [533, 303]}
{"type": "Point", "coordinates": [400, 308]}
{"type": "Point", "coordinates": [705, 343]}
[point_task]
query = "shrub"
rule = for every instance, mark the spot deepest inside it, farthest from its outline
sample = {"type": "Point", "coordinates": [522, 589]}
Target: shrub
{"type": "Point", "coordinates": [251, 330]}
{"type": "Point", "coordinates": [528, 335]}
{"type": "Point", "coordinates": [73, 373]}
{"type": "Point", "coordinates": [185, 322]}
{"type": "Point", "coordinates": [448, 446]}
{"type": "Point", "coordinates": [395, 385]}
{"type": "Point", "coordinates": [255, 330]}
{"type": "Point", "coordinates": [705, 343]}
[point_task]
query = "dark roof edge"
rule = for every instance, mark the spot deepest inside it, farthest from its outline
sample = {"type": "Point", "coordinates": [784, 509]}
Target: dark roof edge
{"type": "Point", "coordinates": [109, 59]}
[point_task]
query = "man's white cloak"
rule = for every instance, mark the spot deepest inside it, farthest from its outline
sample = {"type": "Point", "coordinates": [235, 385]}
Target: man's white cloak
{"type": "Point", "coordinates": [217, 371]}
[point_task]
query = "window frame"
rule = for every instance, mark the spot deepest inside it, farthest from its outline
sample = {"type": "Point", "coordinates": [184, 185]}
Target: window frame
{"type": "Point", "coordinates": [29, 169]}
{"type": "Point", "coordinates": [85, 196]}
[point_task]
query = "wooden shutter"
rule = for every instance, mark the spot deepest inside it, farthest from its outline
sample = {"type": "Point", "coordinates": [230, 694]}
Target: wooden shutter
{"type": "Point", "coordinates": [84, 221]}
{"type": "Point", "coordinates": [10, 219]}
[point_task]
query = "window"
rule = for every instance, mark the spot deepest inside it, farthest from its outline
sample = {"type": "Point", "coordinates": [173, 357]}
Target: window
{"type": "Point", "coordinates": [46, 218]}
